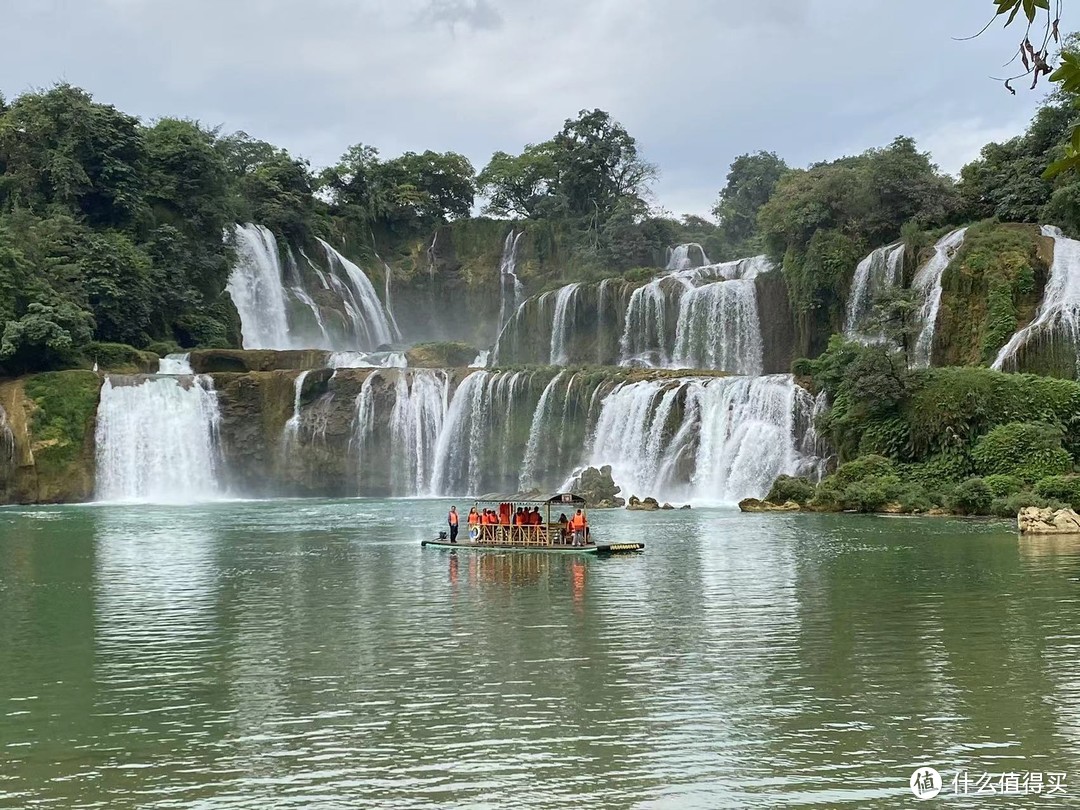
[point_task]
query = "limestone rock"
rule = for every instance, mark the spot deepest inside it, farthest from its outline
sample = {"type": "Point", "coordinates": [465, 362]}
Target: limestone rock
{"type": "Point", "coordinates": [647, 505]}
{"type": "Point", "coordinates": [1033, 520]}
{"type": "Point", "coordinates": [667, 506]}
{"type": "Point", "coordinates": [754, 505]}
{"type": "Point", "coordinates": [598, 488]}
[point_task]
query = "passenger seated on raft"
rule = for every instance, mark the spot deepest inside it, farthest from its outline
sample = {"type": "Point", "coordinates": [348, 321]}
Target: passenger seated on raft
{"type": "Point", "coordinates": [564, 528]}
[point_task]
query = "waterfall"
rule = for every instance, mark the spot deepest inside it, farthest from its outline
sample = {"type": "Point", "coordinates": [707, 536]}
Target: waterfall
{"type": "Point", "coordinates": [874, 275]}
{"type": "Point", "coordinates": [421, 400]}
{"type": "Point", "coordinates": [679, 257]}
{"type": "Point", "coordinates": [482, 359]}
{"type": "Point", "coordinates": [333, 307]}
{"type": "Point", "coordinates": [369, 322]}
{"type": "Point", "coordinates": [255, 286]}
{"type": "Point", "coordinates": [713, 440]}
{"type": "Point", "coordinates": [175, 364]}
{"type": "Point", "coordinates": [538, 432]}
{"type": "Point", "coordinates": [292, 427]}
{"type": "Point", "coordinates": [7, 442]}
{"type": "Point", "coordinates": [1059, 311]}
{"type": "Point", "coordinates": [476, 447]}
{"type": "Point", "coordinates": [716, 326]}
{"type": "Point", "coordinates": [511, 287]}
{"type": "Point", "coordinates": [157, 439]}
{"type": "Point", "coordinates": [561, 323]}
{"type": "Point", "coordinates": [927, 283]}
{"type": "Point", "coordinates": [367, 360]}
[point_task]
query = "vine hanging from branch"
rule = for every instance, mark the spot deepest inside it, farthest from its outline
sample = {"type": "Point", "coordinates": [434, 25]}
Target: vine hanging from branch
{"type": "Point", "coordinates": [1042, 33]}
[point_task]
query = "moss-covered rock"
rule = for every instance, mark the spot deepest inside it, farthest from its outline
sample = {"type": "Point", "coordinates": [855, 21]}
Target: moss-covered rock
{"type": "Point", "coordinates": [121, 358]}
{"type": "Point", "coordinates": [242, 361]}
{"type": "Point", "coordinates": [440, 355]}
{"type": "Point", "coordinates": [50, 426]}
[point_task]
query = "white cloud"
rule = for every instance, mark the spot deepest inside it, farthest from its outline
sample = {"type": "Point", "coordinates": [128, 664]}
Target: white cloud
{"type": "Point", "coordinates": [696, 81]}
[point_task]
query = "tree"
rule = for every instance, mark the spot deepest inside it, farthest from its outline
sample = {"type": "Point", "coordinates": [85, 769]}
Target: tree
{"type": "Point", "coordinates": [62, 152]}
{"type": "Point", "coordinates": [598, 166]}
{"type": "Point", "coordinates": [522, 185]}
{"type": "Point", "coordinates": [750, 183]}
{"type": "Point", "coordinates": [47, 336]}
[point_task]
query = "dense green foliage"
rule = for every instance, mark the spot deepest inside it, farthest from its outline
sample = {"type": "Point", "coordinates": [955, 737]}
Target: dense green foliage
{"type": "Point", "coordinates": [902, 435]}
{"type": "Point", "coordinates": [64, 406]}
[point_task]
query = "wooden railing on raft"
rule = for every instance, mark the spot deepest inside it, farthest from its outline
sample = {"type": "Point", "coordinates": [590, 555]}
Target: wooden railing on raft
{"type": "Point", "coordinates": [542, 535]}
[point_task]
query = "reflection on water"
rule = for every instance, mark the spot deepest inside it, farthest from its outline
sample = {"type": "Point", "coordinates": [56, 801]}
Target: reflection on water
{"type": "Point", "coordinates": [311, 654]}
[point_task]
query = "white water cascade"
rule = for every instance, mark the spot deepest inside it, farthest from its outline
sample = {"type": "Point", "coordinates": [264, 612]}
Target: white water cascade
{"type": "Point", "coordinates": [175, 364]}
{"type": "Point", "coordinates": [257, 291]}
{"type": "Point", "coordinates": [292, 427]}
{"type": "Point", "coordinates": [680, 257]}
{"type": "Point", "coordinates": [538, 435]}
{"type": "Point", "coordinates": [878, 272]}
{"type": "Point", "coordinates": [327, 304]}
{"type": "Point", "coordinates": [716, 319]}
{"type": "Point", "coordinates": [1059, 311]}
{"type": "Point", "coordinates": [561, 323]}
{"type": "Point", "coordinates": [511, 288]}
{"type": "Point", "coordinates": [157, 440]}
{"type": "Point", "coordinates": [477, 441]}
{"type": "Point", "coordinates": [421, 400]}
{"type": "Point", "coordinates": [927, 283]}
{"type": "Point", "coordinates": [734, 434]}
{"type": "Point", "coordinates": [367, 360]}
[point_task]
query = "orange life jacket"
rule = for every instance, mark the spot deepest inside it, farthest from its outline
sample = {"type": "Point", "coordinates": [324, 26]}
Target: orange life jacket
{"type": "Point", "coordinates": [578, 522]}
{"type": "Point", "coordinates": [474, 518]}
{"type": "Point", "coordinates": [453, 518]}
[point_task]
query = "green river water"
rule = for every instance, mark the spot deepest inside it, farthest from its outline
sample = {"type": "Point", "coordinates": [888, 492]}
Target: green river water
{"type": "Point", "coordinates": [311, 654]}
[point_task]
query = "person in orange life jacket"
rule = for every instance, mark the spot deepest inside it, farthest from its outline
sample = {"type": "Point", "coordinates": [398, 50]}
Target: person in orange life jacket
{"type": "Point", "coordinates": [519, 517]}
{"type": "Point", "coordinates": [580, 527]}
{"type": "Point", "coordinates": [452, 519]}
{"type": "Point", "coordinates": [474, 517]}
{"type": "Point", "coordinates": [535, 518]}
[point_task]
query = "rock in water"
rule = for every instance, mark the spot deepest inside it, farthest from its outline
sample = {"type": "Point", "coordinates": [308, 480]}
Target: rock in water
{"type": "Point", "coordinates": [1033, 520]}
{"type": "Point", "coordinates": [598, 488]}
{"type": "Point", "coordinates": [647, 505]}
{"type": "Point", "coordinates": [754, 505]}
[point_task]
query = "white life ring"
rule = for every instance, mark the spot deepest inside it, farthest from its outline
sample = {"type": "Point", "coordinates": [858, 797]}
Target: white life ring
{"type": "Point", "coordinates": [474, 533]}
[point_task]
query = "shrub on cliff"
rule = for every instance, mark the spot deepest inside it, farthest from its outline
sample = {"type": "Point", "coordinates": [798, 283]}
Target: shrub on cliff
{"type": "Point", "coordinates": [1010, 506]}
{"type": "Point", "coordinates": [1063, 488]}
{"type": "Point", "coordinates": [1029, 450]}
{"type": "Point", "coordinates": [972, 497]}
{"type": "Point", "coordinates": [1003, 485]}
{"type": "Point", "coordinates": [788, 488]}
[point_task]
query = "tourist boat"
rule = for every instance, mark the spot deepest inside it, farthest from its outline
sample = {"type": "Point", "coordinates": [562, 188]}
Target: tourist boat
{"type": "Point", "coordinates": [549, 535]}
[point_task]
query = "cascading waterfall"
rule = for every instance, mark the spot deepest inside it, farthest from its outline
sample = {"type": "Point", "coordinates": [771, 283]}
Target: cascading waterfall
{"type": "Point", "coordinates": [927, 283]}
{"type": "Point", "coordinates": [713, 440]}
{"type": "Point", "coordinates": [329, 305]}
{"type": "Point", "coordinates": [256, 288]}
{"type": "Point", "coordinates": [292, 427]}
{"type": "Point", "coordinates": [561, 323]}
{"type": "Point", "coordinates": [680, 257]}
{"type": "Point", "coordinates": [538, 434]}
{"type": "Point", "coordinates": [175, 364]}
{"type": "Point", "coordinates": [7, 441]}
{"type": "Point", "coordinates": [511, 288]}
{"type": "Point", "coordinates": [477, 443]}
{"type": "Point", "coordinates": [878, 272]}
{"type": "Point", "coordinates": [719, 328]}
{"type": "Point", "coordinates": [482, 359]}
{"type": "Point", "coordinates": [157, 439]}
{"type": "Point", "coordinates": [367, 360]}
{"type": "Point", "coordinates": [370, 324]}
{"type": "Point", "coordinates": [716, 327]}
{"type": "Point", "coordinates": [1059, 311]}
{"type": "Point", "coordinates": [421, 400]}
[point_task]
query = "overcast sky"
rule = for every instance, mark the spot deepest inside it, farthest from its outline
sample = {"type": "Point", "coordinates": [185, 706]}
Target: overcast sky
{"type": "Point", "coordinates": [697, 82]}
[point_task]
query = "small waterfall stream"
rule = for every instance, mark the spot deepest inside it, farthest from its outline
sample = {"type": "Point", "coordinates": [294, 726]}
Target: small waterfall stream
{"type": "Point", "coordinates": [927, 283]}
{"type": "Point", "coordinates": [420, 404]}
{"type": "Point", "coordinates": [157, 440]}
{"type": "Point", "coordinates": [1059, 312]}
{"type": "Point", "coordinates": [878, 272]}
{"type": "Point", "coordinates": [326, 304]}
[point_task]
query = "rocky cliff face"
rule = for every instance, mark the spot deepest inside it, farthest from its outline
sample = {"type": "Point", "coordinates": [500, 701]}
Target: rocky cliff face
{"type": "Point", "coordinates": [47, 437]}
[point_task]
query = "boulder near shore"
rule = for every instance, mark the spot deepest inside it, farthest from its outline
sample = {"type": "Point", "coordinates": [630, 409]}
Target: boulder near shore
{"type": "Point", "coordinates": [1033, 520]}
